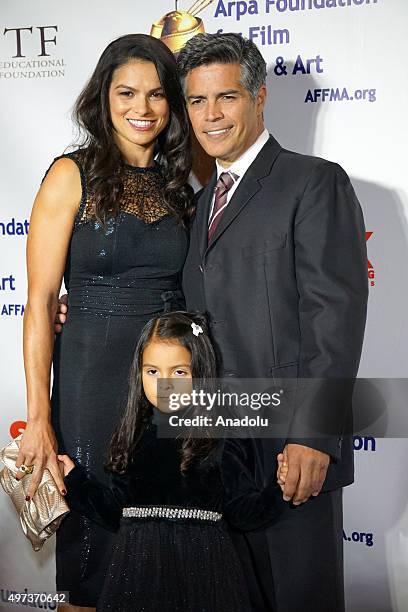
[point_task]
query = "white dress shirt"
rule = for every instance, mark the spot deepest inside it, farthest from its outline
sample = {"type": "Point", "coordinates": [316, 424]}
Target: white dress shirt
{"type": "Point", "coordinates": [241, 165]}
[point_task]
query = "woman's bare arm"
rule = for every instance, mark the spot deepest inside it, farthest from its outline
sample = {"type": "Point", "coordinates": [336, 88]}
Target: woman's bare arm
{"type": "Point", "coordinates": [50, 232]}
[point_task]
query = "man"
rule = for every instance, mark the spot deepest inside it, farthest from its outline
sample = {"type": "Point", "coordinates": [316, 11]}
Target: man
{"type": "Point", "coordinates": [277, 259]}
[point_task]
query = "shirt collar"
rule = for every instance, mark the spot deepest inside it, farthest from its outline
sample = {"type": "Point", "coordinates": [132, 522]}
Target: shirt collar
{"type": "Point", "coordinates": [241, 165]}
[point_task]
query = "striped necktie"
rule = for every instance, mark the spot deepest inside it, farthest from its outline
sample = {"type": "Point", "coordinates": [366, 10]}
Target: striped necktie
{"type": "Point", "coordinates": [222, 186]}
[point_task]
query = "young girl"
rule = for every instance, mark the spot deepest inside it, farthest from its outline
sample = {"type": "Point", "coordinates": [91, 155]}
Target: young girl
{"type": "Point", "coordinates": [168, 497]}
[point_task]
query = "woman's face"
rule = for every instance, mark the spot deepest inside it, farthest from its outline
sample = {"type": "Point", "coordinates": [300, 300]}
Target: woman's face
{"type": "Point", "coordinates": [138, 107]}
{"type": "Point", "coordinates": [170, 361]}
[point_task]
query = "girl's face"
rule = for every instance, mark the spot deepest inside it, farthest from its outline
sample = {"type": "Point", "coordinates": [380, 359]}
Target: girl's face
{"type": "Point", "coordinates": [138, 107]}
{"type": "Point", "coordinates": [167, 360]}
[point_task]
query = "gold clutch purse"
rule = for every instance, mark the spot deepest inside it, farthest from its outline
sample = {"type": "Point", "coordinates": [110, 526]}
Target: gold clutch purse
{"type": "Point", "coordinates": [42, 515]}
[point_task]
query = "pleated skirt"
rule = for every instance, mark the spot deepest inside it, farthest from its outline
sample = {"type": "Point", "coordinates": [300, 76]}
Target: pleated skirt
{"type": "Point", "coordinates": [162, 565]}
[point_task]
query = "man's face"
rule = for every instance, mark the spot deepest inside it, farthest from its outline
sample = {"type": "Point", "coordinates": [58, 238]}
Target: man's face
{"type": "Point", "coordinates": [225, 119]}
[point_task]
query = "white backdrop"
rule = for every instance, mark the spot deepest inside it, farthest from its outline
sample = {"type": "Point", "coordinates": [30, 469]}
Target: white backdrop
{"type": "Point", "coordinates": [313, 48]}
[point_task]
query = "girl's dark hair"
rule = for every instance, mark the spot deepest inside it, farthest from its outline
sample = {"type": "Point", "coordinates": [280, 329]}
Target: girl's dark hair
{"type": "Point", "coordinates": [100, 154]}
{"type": "Point", "coordinates": [172, 326]}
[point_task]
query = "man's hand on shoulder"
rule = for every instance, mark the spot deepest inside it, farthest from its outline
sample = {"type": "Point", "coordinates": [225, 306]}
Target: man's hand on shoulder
{"type": "Point", "coordinates": [307, 468]}
{"type": "Point", "coordinates": [62, 311]}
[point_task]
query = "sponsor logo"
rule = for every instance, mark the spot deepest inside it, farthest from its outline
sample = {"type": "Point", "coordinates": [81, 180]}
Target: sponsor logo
{"type": "Point", "coordinates": [17, 428]}
{"type": "Point", "coordinates": [302, 66]}
{"type": "Point", "coordinates": [371, 271]}
{"type": "Point", "coordinates": [31, 52]}
{"type": "Point", "coordinates": [281, 6]}
{"type": "Point", "coordinates": [359, 537]}
{"type": "Point", "coordinates": [340, 94]}
{"type": "Point", "coordinates": [8, 283]}
{"type": "Point", "coordinates": [262, 34]}
{"type": "Point", "coordinates": [266, 35]}
{"type": "Point", "coordinates": [9, 310]}
{"type": "Point", "coordinates": [236, 9]}
{"type": "Point", "coordinates": [13, 227]}
{"type": "Point", "coordinates": [239, 8]}
{"type": "Point", "coordinates": [364, 443]}
{"type": "Point", "coordinates": [177, 27]}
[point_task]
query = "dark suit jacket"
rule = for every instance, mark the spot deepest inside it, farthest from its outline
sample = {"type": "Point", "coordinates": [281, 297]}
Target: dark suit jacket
{"type": "Point", "coordinates": [284, 280]}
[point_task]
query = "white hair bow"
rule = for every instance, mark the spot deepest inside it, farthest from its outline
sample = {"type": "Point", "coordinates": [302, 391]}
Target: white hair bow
{"type": "Point", "coordinates": [197, 329]}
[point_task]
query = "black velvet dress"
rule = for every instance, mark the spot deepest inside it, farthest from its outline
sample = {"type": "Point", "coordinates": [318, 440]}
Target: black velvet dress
{"type": "Point", "coordinates": [117, 276]}
{"type": "Point", "coordinates": [167, 564]}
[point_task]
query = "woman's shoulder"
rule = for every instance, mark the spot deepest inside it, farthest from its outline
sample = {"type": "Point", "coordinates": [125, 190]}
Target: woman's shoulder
{"type": "Point", "coordinates": [66, 172]}
{"type": "Point", "coordinates": [69, 162]}
{"type": "Point", "coordinates": [64, 183]}
{"type": "Point", "coordinates": [62, 174]}
{"type": "Point", "coordinates": [67, 165]}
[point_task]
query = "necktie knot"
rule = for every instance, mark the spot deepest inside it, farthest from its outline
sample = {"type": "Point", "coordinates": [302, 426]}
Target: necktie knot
{"type": "Point", "coordinates": [225, 181]}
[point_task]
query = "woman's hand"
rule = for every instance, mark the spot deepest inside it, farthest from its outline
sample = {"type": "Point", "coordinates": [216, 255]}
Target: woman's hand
{"type": "Point", "coordinates": [67, 462]}
{"type": "Point", "coordinates": [38, 448]}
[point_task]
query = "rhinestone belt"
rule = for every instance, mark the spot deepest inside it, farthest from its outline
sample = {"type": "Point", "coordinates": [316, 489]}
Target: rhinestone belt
{"type": "Point", "coordinates": [171, 513]}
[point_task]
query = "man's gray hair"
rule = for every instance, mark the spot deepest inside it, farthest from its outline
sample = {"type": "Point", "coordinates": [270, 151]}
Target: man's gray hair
{"type": "Point", "coordinates": [231, 48]}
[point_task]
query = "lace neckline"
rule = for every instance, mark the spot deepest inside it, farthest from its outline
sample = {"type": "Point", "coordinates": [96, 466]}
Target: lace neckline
{"type": "Point", "coordinates": [143, 170]}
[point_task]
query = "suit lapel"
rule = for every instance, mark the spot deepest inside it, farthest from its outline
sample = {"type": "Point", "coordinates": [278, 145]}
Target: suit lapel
{"type": "Point", "coordinates": [245, 191]}
{"type": "Point", "coordinates": [203, 212]}
{"type": "Point", "coordinates": [249, 185]}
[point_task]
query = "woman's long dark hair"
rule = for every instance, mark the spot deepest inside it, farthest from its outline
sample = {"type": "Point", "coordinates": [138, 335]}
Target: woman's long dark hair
{"type": "Point", "coordinates": [174, 326]}
{"type": "Point", "coordinates": [100, 154]}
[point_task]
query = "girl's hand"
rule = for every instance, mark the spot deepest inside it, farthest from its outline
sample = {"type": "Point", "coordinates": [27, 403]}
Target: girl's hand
{"type": "Point", "coordinates": [67, 462]}
{"type": "Point", "coordinates": [282, 470]}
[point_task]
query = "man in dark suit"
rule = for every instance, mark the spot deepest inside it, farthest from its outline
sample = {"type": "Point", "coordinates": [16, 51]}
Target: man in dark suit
{"type": "Point", "coordinates": [277, 259]}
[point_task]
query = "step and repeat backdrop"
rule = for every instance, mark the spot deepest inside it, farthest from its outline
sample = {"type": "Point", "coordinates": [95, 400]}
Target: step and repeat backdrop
{"type": "Point", "coordinates": [337, 88]}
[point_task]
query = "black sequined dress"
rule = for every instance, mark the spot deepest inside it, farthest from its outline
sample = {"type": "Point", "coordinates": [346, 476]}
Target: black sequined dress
{"type": "Point", "coordinates": [118, 276]}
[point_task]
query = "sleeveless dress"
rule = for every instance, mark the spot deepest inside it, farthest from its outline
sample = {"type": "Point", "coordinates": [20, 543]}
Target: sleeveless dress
{"type": "Point", "coordinates": [118, 276]}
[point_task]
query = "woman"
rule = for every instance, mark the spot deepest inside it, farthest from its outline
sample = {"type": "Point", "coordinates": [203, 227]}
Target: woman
{"type": "Point", "coordinates": [111, 220]}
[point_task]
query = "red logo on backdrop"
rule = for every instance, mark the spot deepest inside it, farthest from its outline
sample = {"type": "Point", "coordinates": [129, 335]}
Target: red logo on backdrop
{"type": "Point", "coordinates": [371, 271]}
{"type": "Point", "coordinates": [17, 428]}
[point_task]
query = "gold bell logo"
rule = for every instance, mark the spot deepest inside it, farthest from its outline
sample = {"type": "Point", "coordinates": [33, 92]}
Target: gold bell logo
{"type": "Point", "coordinates": [177, 27]}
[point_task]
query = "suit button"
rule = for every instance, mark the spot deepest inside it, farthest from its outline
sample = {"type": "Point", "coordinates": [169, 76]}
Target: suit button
{"type": "Point", "coordinates": [201, 269]}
